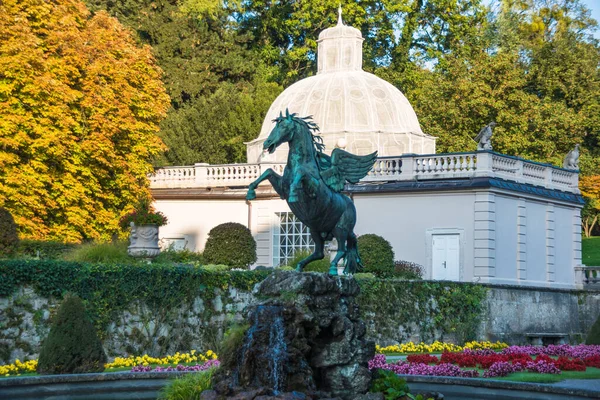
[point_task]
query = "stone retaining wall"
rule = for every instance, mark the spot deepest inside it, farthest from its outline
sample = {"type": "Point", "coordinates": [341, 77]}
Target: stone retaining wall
{"type": "Point", "coordinates": [509, 313]}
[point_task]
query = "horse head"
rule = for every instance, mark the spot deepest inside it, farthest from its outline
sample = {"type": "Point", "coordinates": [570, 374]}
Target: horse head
{"type": "Point", "coordinates": [283, 132]}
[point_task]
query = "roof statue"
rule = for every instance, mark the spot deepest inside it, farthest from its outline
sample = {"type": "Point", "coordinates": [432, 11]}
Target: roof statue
{"type": "Point", "coordinates": [311, 185]}
{"type": "Point", "coordinates": [571, 160]}
{"type": "Point", "coordinates": [484, 137]}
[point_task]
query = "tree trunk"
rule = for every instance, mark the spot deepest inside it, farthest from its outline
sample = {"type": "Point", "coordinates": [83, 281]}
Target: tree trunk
{"type": "Point", "coordinates": [588, 225]}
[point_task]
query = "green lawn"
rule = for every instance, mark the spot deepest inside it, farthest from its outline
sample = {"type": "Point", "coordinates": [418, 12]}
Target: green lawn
{"type": "Point", "coordinates": [590, 248]}
{"type": "Point", "coordinates": [590, 373]}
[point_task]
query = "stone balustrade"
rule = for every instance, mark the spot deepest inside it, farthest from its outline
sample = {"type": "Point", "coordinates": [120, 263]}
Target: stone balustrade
{"type": "Point", "coordinates": [587, 277]}
{"type": "Point", "coordinates": [591, 275]}
{"type": "Point", "coordinates": [386, 169]}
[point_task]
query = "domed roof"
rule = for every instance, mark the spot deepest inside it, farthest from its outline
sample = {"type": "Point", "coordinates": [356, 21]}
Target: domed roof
{"type": "Point", "coordinates": [363, 111]}
{"type": "Point", "coordinates": [342, 98]}
{"type": "Point", "coordinates": [346, 101]}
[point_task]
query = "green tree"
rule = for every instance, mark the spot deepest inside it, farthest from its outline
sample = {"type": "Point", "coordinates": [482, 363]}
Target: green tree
{"type": "Point", "coordinates": [538, 81]}
{"type": "Point", "coordinates": [395, 32]}
{"type": "Point", "coordinates": [218, 85]}
{"type": "Point", "coordinates": [214, 128]}
{"type": "Point", "coordinates": [80, 105]}
{"type": "Point", "coordinates": [72, 345]}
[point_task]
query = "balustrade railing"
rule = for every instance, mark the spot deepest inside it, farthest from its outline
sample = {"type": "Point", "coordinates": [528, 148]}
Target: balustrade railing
{"type": "Point", "coordinates": [173, 177]}
{"type": "Point", "coordinates": [585, 275]}
{"type": "Point", "coordinates": [401, 168]}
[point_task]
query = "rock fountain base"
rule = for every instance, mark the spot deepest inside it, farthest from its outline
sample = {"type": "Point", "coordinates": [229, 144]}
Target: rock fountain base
{"type": "Point", "coordinates": [306, 340]}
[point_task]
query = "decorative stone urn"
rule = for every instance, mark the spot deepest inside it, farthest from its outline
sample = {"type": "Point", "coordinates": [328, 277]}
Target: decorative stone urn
{"type": "Point", "coordinates": [143, 241]}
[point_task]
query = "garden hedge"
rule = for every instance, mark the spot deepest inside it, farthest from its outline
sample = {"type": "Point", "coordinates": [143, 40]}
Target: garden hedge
{"type": "Point", "coordinates": [230, 244]}
{"type": "Point", "coordinates": [427, 306]}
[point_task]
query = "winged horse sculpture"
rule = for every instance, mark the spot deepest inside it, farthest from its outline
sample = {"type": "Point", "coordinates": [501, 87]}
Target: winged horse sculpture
{"type": "Point", "coordinates": [312, 183]}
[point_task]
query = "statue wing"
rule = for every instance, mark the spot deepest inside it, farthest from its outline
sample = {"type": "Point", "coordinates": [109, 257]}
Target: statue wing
{"type": "Point", "coordinates": [346, 167]}
{"type": "Point", "coordinates": [482, 133]}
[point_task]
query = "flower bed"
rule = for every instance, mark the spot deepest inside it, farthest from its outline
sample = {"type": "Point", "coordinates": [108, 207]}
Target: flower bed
{"type": "Point", "coordinates": [177, 358]}
{"type": "Point", "coordinates": [145, 363]}
{"type": "Point", "coordinates": [439, 347]}
{"type": "Point", "coordinates": [472, 363]}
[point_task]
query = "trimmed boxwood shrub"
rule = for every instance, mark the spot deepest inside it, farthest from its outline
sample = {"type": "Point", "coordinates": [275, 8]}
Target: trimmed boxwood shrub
{"type": "Point", "coordinates": [9, 238]}
{"type": "Point", "coordinates": [230, 244]}
{"type": "Point", "coordinates": [72, 346]}
{"type": "Point", "coordinates": [376, 254]}
{"type": "Point", "coordinates": [593, 336]}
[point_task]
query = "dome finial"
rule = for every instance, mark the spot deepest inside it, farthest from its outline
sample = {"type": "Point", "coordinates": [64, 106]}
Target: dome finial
{"type": "Point", "coordinates": [340, 22]}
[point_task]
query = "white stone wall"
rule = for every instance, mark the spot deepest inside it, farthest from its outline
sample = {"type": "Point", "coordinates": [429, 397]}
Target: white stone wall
{"type": "Point", "coordinates": [191, 220]}
{"type": "Point", "coordinates": [404, 219]}
{"type": "Point", "coordinates": [264, 221]}
{"type": "Point", "coordinates": [509, 313]}
{"type": "Point", "coordinates": [505, 238]}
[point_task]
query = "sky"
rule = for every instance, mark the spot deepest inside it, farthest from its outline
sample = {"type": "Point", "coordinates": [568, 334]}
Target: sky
{"type": "Point", "coordinates": [594, 6]}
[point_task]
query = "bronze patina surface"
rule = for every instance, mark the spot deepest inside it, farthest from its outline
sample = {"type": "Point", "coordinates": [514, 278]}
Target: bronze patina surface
{"type": "Point", "coordinates": [312, 183]}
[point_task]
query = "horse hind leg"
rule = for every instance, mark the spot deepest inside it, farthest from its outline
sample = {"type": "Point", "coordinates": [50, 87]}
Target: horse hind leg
{"type": "Point", "coordinates": [352, 259]}
{"type": "Point", "coordinates": [341, 253]}
{"type": "Point", "coordinates": [318, 254]}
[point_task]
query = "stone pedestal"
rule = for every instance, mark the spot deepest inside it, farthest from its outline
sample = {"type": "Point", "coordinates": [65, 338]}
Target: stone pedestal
{"type": "Point", "coordinates": [143, 241]}
{"type": "Point", "coordinates": [305, 336]}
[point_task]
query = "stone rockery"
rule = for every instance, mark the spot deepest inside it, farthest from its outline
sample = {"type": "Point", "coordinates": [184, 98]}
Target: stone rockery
{"type": "Point", "coordinates": [305, 336]}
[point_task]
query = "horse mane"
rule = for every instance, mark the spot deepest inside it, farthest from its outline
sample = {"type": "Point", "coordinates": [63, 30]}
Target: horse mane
{"type": "Point", "coordinates": [308, 124]}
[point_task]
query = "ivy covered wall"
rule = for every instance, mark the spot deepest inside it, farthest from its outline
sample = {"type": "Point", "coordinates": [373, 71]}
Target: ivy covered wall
{"type": "Point", "coordinates": [158, 309]}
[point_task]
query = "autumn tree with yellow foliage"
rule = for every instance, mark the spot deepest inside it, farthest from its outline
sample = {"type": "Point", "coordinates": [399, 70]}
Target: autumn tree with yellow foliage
{"type": "Point", "coordinates": [590, 189]}
{"type": "Point", "coordinates": [80, 105]}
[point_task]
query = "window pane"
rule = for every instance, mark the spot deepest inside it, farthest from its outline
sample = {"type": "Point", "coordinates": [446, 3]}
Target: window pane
{"type": "Point", "coordinates": [290, 237]}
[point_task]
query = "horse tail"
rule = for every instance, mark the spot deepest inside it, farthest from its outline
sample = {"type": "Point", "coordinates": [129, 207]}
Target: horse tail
{"type": "Point", "coordinates": [353, 262]}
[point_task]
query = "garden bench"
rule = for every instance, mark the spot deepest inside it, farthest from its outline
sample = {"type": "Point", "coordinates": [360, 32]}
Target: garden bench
{"type": "Point", "coordinates": [538, 339]}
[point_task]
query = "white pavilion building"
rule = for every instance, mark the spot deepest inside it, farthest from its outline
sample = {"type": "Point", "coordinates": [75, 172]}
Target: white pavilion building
{"type": "Point", "coordinates": [477, 216]}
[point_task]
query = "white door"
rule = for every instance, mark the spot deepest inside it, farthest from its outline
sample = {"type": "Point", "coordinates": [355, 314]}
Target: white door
{"type": "Point", "coordinates": [445, 257]}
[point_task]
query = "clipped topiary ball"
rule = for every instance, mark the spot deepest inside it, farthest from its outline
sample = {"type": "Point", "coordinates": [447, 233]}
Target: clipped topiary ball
{"type": "Point", "coordinates": [72, 346]}
{"type": "Point", "coordinates": [593, 336]}
{"type": "Point", "coordinates": [9, 238]}
{"type": "Point", "coordinates": [376, 254]}
{"type": "Point", "coordinates": [230, 244]}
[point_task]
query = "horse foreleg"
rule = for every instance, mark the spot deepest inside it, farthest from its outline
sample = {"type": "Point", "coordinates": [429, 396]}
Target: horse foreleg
{"type": "Point", "coordinates": [294, 187]}
{"type": "Point", "coordinates": [273, 177]}
{"type": "Point", "coordinates": [318, 253]}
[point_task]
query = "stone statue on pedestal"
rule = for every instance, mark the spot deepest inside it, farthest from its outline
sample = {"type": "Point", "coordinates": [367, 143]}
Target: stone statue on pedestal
{"type": "Point", "coordinates": [484, 137]}
{"type": "Point", "coordinates": [571, 160]}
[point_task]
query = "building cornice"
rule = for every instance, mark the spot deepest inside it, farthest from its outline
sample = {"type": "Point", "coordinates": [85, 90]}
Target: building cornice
{"type": "Point", "coordinates": [462, 184]}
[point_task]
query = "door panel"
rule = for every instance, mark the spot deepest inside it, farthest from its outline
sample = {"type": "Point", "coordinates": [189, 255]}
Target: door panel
{"type": "Point", "coordinates": [446, 257]}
